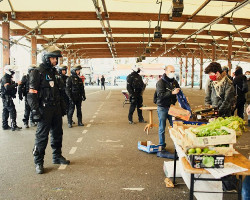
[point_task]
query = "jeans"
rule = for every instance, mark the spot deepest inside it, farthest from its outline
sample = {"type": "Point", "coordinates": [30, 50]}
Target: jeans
{"type": "Point", "coordinates": [163, 116]}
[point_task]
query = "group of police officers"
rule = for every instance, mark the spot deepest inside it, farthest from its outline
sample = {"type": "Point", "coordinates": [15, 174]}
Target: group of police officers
{"type": "Point", "coordinates": [49, 95]}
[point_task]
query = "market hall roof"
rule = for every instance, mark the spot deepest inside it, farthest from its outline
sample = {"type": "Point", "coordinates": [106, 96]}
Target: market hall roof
{"type": "Point", "coordinates": [120, 28]}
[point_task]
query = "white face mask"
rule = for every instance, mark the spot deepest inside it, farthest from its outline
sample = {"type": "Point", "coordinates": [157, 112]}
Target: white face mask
{"type": "Point", "coordinates": [248, 76]}
{"type": "Point", "coordinates": [171, 75]}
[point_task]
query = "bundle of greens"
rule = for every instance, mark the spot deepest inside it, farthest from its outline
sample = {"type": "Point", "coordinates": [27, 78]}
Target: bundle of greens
{"type": "Point", "coordinates": [214, 128]}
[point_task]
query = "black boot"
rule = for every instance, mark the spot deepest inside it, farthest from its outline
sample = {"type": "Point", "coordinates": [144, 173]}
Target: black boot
{"type": "Point", "coordinates": [60, 160]}
{"type": "Point", "coordinates": [6, 127]}
{"type": "Point", "coordinates": [14, 127]}
{"type": "Point", "coordinates": [39, 169]}
{"type": "Point", "coordinates": [32, 124]}
{"type": "Point", "coordinates": [26, 125]}
{"type": "Point", "coordinates": [80, 124]}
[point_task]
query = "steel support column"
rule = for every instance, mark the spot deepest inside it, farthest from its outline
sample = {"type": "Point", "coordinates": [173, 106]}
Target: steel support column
{"type": "Point", "coordinates": [192, 75]}
{"type": "Point", "coordinates": [213, 52]}
{"type": "Point", "coordinates": [186, 71]}
{"type": "Point", "coordinates": [229, 58]}
{"type": "Point", "coordinates": [181, 72]}
{"type": "Point", "coordinates": [201, 68]}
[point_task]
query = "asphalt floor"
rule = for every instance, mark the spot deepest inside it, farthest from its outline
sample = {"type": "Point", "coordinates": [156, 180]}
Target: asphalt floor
{"type": "Point", "coordinates": [105, 160]}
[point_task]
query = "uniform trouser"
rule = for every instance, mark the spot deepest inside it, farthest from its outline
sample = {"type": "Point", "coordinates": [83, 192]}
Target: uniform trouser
{"type": "Point", "coordinates": [72, 105]}
{"type": "Point", "coordinates": [51, 122]}
{"type": "Point", "coordinates": [240, 109]}
{"type": "Point", "coordinates": [136, 104]}
{"type": "Point", "coordinates": [27, 113]}
{"type": "Point", "coordinates": [102, 86]}
{"type": "Point", "coordinates": [66, 100]}
{"type": "Point", "coordinates": [8, 110]}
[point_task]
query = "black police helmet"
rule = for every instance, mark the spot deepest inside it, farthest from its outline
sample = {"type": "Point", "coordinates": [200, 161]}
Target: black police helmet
{"type": "Point", "coordinates": [50, 52]}
{"type": "Point", "coordinates": [74, 68]}
{"type": "Point", "coordinates": [61, 67]}
{"type": "Point", "coordinates": [31, 67]}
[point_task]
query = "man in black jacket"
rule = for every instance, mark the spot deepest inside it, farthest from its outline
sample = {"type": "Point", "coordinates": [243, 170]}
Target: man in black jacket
{"type": "Point", "coordinates": [241, 88]}
{"type": "Point", "coordinates": [8, 92]}
{"type": "Point", "coordinates": [46, 104]}
{"type": "Point", "coordinates": [165, 96]}
{"type": "Point", "coordinates": [76, 93]}
{"type": "Point", "coordinates": [135, 87]}
{"type": "Point", "coordinates": [23, 90]}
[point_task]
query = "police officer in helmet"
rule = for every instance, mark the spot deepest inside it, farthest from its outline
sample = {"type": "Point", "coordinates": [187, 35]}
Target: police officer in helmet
{"type": "Point", "coordinates": [76, 93]}
{"type": "Point", "coordinates": [45, 101]}
{"type": "Point", "coordinates": [62, 70]}
{"type": "Point", "coordinates": [135, 87]}
{"type": "Point", "coordinates": [8, 92]}
{"type": "Point", "coordinates": [23, 90]}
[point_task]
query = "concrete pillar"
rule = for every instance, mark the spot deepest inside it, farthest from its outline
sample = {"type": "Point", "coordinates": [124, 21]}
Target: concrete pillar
{"type": "Point", "coordinates": [186, 71]}
{"type": "Point", "coordinates": [201, 69]}
{"type": "Point", "coordinates": [33, 50]}
{"type": "Point", "coordinates": [213, 53]}
{"type": "Point", "coordinates": [6, 44]}
{"type": "Point", "coordinates": [192, 75]}
{"type": "Point", "coordinates": [181, 72]}
{"type": "Point", "coordinates": [229, 59]}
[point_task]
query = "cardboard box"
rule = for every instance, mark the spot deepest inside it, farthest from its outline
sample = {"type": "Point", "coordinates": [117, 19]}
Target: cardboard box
{"type": "Point", "coordinates": [179, 112]}
{"type": "Point", "coordinates": [148, 147]}
{"type": "Point", "coordinates": [199, 161]}
{"type": "Point", "coordinates": [211, 140]}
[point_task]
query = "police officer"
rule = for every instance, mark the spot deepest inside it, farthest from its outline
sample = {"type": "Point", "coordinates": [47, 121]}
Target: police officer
{"type": "Point", "coordinates": [135, 87]}
{"type": "Point", "coordinates": [45, 101]}
{"type": "Point", "coordinates": [8, 92]}
{"type": "Point", "coordinates": [76, 93]}
{"type": "Point", "coordinates": [62, 70]}
{"type": "Point", "coordinates": [23, 90]}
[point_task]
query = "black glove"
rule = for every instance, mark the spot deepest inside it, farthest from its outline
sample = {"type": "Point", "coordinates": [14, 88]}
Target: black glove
{"type": "Point", "coordinates": [36, 115]}
{"type": "Point", "coordinates": [83, 98]}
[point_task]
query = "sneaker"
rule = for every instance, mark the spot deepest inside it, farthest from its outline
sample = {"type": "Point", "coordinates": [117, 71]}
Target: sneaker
{"type": "Point", "coordinates": [80, 124]}
{"type": "Point", "coordinates": [131, 122]}
{"type": "Point", "coordinates": [26, 125]}
{"type": "Point", "coordinates": [39, 169]}
{"type": "Point", "coordinates": [60, 160]}
{"type": "Point", "coordinates": [142, 121]}
{"type": "Point", "coordinates": [70, 125]}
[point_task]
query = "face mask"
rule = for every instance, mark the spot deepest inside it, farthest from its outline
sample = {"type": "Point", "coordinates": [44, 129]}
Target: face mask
{"type": "Point", "coordinates": [171, 75]}
{"type": "Point", "coordinates": [213, 77]}
{"type": "Point", "coordinates": [248, 76]}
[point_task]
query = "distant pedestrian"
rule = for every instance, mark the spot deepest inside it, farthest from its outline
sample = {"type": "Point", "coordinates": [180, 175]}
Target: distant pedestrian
{"type": "Point", "coordinates": [98, 81]}
{"type": "Point", "coordinates": [241, 88]}
{"type": "Point", "coordinates": [102, 82]}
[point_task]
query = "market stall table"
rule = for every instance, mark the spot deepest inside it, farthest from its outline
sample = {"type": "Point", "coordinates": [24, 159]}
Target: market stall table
{"type": "Point", "coordinates": [237, 159]}
{"type": "Point", "coordinates": [150, 124]}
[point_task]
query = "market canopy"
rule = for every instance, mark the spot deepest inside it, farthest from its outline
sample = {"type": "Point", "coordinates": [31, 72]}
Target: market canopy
{"type": "Point", "coordinates": [120, 28]}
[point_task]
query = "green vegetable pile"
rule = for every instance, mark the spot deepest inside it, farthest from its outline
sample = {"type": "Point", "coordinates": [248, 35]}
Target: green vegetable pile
{"type": "Point", "coordinates": [197, 151]}
{"type": "Point", "coordinates": [213, 128]}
